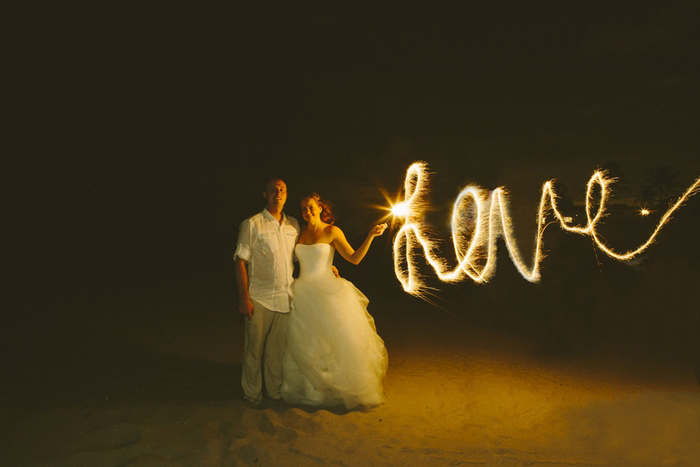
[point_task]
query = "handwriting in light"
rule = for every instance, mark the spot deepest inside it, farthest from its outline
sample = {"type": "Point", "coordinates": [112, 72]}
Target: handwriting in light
{"type": "Point", "coordinates": [480, 217]}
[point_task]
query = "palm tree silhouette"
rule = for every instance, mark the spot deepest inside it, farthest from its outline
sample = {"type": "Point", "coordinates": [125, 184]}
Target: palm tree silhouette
{"type": "Point", "coordinates": [614, 170]}
{"type": "Point", "coordinates": [645, 199]}
{"type": "Point", "coordinates": [661, 184]}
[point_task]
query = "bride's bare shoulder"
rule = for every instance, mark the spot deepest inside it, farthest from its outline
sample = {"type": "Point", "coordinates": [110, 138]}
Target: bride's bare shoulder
{"type": "Point", "coordinates": [335, 232]}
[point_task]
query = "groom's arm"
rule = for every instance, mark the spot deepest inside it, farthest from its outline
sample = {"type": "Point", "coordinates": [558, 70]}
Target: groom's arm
{"type": "Point", "coordinates": [241, 258]}
{"type": "Point", "coordinates": [245, 306]}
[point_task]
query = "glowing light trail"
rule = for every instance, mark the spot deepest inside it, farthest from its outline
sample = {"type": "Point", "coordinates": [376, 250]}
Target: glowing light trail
{"type": "Point", "coordinates": [480, 217]}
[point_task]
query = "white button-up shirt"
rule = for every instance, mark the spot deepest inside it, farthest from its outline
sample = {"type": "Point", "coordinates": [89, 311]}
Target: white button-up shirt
{"type": "Point", "coordinates": [267, 246]}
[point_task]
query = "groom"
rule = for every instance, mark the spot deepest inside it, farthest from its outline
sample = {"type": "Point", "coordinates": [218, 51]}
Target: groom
{"type": "Point", "coordinates": [264, 276]}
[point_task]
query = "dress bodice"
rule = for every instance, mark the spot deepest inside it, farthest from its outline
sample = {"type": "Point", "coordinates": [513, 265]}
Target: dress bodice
{"type": "Point", "coordinates": [314, 259]}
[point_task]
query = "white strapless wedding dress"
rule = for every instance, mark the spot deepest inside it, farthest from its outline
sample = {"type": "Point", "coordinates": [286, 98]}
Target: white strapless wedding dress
{"type": "Point", "coordinates": [334, 355]}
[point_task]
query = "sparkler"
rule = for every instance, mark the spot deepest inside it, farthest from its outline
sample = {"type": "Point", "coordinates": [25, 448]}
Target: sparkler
{"type": "Point", "coordinates": [480, 217]}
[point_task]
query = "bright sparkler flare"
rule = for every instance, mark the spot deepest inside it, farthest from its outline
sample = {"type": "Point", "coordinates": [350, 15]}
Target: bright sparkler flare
{"type": "Point", "coordinates": [400, 209]}
{"type": "Point", "coordinates": [480, 217]}
{"type": "Point", "coordinates": [644, 212]}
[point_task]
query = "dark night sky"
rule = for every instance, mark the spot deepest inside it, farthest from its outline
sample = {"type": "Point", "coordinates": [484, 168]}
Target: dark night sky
{"type": "Point", "coordinates": [140, 132]}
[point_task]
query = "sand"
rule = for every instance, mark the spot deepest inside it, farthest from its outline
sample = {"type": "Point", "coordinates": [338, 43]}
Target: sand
{"type": "Point", "coordinates": [165, 391]}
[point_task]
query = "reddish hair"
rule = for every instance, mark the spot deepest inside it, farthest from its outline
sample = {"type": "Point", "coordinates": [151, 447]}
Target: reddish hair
{"type": "Point", "coordinates": [325, 205]}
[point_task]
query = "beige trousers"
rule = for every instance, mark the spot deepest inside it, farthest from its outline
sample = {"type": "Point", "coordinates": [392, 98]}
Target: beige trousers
{"type": "Point", "coordinates": [265, 341]}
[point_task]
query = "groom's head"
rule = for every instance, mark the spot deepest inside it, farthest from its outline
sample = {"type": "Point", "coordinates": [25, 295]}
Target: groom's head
{"type": "Point", "coordinates": [275, 194]}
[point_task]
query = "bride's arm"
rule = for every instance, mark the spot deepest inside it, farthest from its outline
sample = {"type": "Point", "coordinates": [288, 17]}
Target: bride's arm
{"type": "Point", "coordinates": [346, 251]}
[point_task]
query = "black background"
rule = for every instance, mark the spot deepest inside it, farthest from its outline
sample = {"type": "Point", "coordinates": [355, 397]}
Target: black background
{"type": "Point", "coordinates": [140, 134]}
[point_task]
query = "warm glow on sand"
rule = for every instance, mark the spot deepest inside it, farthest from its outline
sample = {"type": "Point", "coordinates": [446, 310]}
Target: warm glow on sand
{"type": "Point", "coordinates": [480, 217]}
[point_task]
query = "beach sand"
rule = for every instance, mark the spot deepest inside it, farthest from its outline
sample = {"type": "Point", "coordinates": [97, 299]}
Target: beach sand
{"type": "Point", "coordinates": [165, 391]}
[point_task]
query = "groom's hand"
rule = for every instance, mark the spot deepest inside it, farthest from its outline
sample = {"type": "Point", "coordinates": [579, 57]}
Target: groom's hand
{"type": "Point", "coordinates": [246, 308]}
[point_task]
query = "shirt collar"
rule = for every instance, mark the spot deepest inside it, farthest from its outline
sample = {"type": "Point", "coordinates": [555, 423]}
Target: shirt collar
{"type": "Point", "coordinates": [266, 214]}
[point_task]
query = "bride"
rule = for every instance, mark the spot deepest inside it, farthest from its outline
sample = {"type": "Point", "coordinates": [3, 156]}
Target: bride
{"type": "Point", "coordinates": [334, 355]}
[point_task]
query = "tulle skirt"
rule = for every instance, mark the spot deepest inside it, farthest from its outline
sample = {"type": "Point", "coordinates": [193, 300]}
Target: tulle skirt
{"type": "Point", "coordinates": [334, 355]}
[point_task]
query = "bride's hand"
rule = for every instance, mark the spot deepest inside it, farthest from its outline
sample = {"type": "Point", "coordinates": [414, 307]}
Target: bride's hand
{"type": "Point", "coordinates": [377, 230]}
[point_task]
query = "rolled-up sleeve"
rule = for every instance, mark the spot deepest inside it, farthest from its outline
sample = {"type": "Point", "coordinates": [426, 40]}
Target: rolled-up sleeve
{"type": "Point", "coordinates": [243, 246]}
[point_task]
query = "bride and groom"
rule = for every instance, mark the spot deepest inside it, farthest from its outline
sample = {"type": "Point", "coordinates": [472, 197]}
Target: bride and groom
{"type": "Point", "coordinates": [319, 343]}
